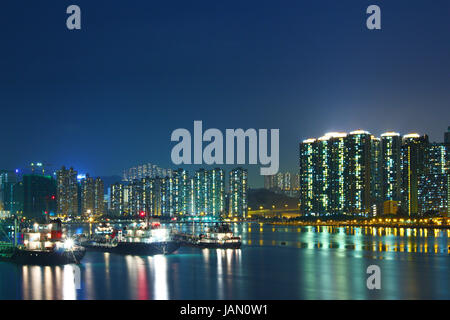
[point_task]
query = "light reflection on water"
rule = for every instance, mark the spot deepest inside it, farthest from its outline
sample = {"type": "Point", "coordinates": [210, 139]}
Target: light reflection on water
{"type": "Point", "coordinates": [364, 238]}
{"type": "Point", "coordinates": [275, 262]}
{"type": "Point", "coordinates": [47, 282]}
{"type": "Point", "coordinates": [160, 290]}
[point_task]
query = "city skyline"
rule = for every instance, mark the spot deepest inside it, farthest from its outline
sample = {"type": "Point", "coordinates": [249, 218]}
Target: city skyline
{"type": "Point", "coordinates": [162, 171]}
{"type": "Point", "coordinates": [67, 194]}
{"type": "Point", "coordinates": [71, 107]}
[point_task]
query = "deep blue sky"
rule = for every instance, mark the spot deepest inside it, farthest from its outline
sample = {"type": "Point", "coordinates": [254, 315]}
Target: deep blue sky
{"type": "Point", "coordinates": [108, 97]}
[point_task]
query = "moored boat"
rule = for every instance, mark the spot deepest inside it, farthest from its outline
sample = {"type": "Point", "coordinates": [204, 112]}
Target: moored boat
{"type": "Point", "coordinates": [219, 236]}
{"type": "Point", "coordinates": [145, 238]}
{"type": "Point", "coordinates": [43, 244]}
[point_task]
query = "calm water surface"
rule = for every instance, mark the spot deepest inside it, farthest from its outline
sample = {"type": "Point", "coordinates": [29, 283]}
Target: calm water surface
{"type": "Point", "coordinates": [275, 262]}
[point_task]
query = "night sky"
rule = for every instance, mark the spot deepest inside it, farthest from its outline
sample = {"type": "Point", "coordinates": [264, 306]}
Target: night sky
{"type": "Point", "coordinates": [107, 97]}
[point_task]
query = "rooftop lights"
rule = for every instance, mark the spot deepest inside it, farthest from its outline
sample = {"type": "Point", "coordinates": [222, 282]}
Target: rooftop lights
{"type": "Point", "coordinates": [324, 138]}
{"type": "Point", "coordinates": [336, 134]}
{"type": "Point", "coordinates": [359, 131]}
{"type": "Point", "coordinates": [411, 135]}
{"type": "Point", "coordinates": [390, 134]}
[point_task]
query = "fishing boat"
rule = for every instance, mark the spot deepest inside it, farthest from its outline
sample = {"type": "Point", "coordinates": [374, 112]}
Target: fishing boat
{"type": "Point", "coordinates": [219, 236]}
{"type": "Point", "coordinates": [42, 244]}
{"type": "Point", "coordinates": [144, 238]}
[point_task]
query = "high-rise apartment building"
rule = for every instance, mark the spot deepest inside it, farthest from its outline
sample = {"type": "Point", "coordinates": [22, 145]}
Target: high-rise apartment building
{"type": "Point", "coordinates": [282, 182]}
{"type": "Point", "coordinates": [87, 196]}
{"type": "Point", "coordinates": [216, 191]}
{"type": "Point", "coordinates": [337, 166]}
{"type": "Point", "coordinates": [391, 172]}
{"type": "Point", "coordinates": [357, 171]}
{"type": "Point", "coordinates": [117, 199]}
{"type": "Point", "coordinates": [238, 187]}
{"type": "Point", "coordinates": [7, 181]}
{"type": "Point", "coordinates": [147, 170]}
{"type": "Point", "coordinates": [67, 191]}
{"type": "Point", "coordinates": [321, 179]}
{"type": "Point", "coordinates": [92, 196]}
{"type": "Point", "coordinates": [136, 202]}
{"type": "Point", "coordinates": [182, 192]}
{"type": "Point", "coordinates": [308, 159]}
{"type": "Point", "coordinates": [201, 191]}
{"type": "Point", "coordinates": [99, 197]}
{"type": "Point", "coordinates": [447, 136]}
{"type": "Point", "coordinates": [270, 182]}
{"type": "Point", "coordinates": [414, 147]}
{"type": "Point", "coordinates": [167, 197]}
{"type": "Point", "coordinates": [39, 196]}
{"type": "Point", "coordinates": [155, 189]}
{"type": "Point", "coordinates": [295, 182]}
{"type": "Point", "coordinates": [433, 186]}
{"type": "Point", "coordinates": [375, 172]}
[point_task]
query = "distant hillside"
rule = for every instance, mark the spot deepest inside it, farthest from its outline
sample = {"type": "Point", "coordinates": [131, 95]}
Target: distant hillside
{"type": "Point", "coordinates": [266, 198]}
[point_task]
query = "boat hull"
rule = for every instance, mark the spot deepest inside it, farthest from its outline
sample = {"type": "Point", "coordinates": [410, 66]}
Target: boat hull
{"type": "Point", "coordinates": [56, 257]}
{"type": "Point", "coordinates": [194, 241]}
{"type": "Point", "coordinates": [235, 245]}
{"type": "Point", "coordinates": [136, 248]}
{"type": "Point", "coordinates": [146, 249]}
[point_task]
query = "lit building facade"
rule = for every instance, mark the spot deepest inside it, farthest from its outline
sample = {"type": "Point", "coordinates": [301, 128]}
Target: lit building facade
{"type": "Point", "coordinates": [433, 187]}
{"type": "Point", "coordinates": [39, 196]}
{"type": "Point", "coordinates": [270, 182]}
{"type": "Point", "coordinates": [117, 199]}
{"type": "Point", "coordinates": [147, 170]}
{"type": "Point", "coordinates": [375, 172]}
{"type": "Point", "coordinates": [8, 179]}
{"type": "Point", "coordinates": [358, 172]}
{"type": "Point", "coordinates": [99, 197]}
{"type": "Point", "coordinates": [201, 191]}
{"type": "Point", "coordinates": [307, 160]}
{"type": "Point", "coordinates": [67, 191]}
{"type": "Point", "coordinates": [414, 147]}
{"type": "Point", "coordinates": [92, 196]}
{"type": "Point", "coordinates": [238, 187]}
{"type": "Point", "coordinates": [447, 136]}
{"type": "Point", "coordinates": [391, 172]}
{"type": "Point", "coordinates": [337, 167]}
{"type": "Point", "coordinates": [216, 192]}
{"type": "Point", "coordinates": [283, 183]}
{"type": "Point", "coordinates": [182, 193]}
{"type": "Point", "coordinates": [87, 195]}
{"type": "Point", "coordinates": [321, 179]}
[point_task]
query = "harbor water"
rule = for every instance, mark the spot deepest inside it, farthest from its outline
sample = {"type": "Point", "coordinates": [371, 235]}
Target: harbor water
{"type": "Point", "coordinates": [275, 262]}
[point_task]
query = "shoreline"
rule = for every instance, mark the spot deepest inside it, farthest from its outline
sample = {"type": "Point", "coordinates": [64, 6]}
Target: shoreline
{"type": "Point", "coordinates": [361, 225]}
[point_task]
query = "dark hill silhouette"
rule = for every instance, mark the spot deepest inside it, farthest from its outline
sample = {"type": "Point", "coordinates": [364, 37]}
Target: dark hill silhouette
{"type": "Point", "coordinates": [267, 198]}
